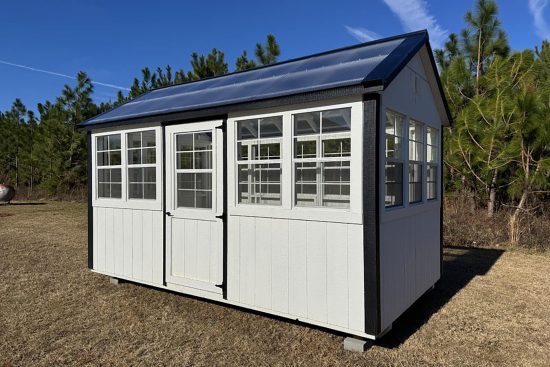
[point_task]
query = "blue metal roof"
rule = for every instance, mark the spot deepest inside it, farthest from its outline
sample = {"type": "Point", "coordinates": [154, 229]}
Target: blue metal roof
{"type": "Point", "coordinates": [367, 64]}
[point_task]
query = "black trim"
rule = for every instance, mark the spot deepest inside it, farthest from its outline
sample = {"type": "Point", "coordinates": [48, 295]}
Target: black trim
{"type": "Point", "coordinates": [441, 203]}
{"type": "Point", "coordinates": [163, 138]}
{"type": "Point", "coordinates": [212, 113]}
{"type": "Point", "coordinates": [224, 216]}
{"type": "Point", "coordinates": [371, 212]}
{"type": "Point", "coordinates": [89, 170]}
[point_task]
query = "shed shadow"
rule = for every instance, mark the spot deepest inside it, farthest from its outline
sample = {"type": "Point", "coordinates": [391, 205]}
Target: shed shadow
{"type": "Point", "coordinates": [460, 266]}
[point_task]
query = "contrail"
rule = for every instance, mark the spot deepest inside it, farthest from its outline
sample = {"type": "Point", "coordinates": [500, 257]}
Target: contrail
{"type": "Point", "coordinates": [59, 74]}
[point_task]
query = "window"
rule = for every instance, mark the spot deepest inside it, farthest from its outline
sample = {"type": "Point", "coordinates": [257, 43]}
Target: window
{"type": "Point", "coordinates": [259, 160]}
{"type": "Point", "coordinates": [415, 161]}
{"type": "Point", "coordinates": [142, 169]}
{"type": "Point", "coordinates": [194, 170]}
{"type": "Point", "coordinates": [432, 155]}
{"type": "Point", "coordinates": [394, 160]}
{"type": "Point", "coordinates": [108, 162]}
{"type": "Point", "coordinates": [322, 153]}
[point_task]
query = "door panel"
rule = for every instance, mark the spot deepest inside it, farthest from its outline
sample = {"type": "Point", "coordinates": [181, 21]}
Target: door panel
{"type": "Point", "coordinates": [194, 204]}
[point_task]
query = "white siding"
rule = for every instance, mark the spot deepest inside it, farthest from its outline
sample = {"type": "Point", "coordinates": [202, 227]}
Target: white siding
{"type": "Point", "coordinates": [303, 269]}
{"type": "Point", "coordinates": [128, 244]}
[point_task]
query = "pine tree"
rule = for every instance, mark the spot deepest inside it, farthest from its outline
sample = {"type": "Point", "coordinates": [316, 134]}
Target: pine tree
{"type": "Point", "coordinates": [268, 53]}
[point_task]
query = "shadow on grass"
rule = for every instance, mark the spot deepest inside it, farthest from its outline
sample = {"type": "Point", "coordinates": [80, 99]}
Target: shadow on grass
{"type": "Point", "coordinates": [460, 266]}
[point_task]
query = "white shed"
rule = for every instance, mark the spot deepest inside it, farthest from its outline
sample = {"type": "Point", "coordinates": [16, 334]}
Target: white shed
{"type": "Point", "coordinates": [308, 189]}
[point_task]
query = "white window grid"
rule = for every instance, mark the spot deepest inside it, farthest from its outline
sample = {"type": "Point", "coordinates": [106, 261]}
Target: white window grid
{"type": "Point", "coordinates": [416, 152]}
{"type": "Point", "coordinates": [258, 167]}
{"type": "Point", "coordinates": [108, 167]}
{"type": "Point", "coordinates": [432, 159]}
{"type": "Point", "coordinates": [392, 159]}
{"type": "Point", "coordinates": [194, 171]}
{"type": "Point", "coordinates": [303, 162]}
{"type": "Point", "coordinates": [141, 165]}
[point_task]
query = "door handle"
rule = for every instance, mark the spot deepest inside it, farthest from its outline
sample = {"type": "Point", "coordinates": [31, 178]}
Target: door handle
{"type": "Point", "coordinates": [221, 216]}
{"type": "Point", "coordinates": [169, 214]}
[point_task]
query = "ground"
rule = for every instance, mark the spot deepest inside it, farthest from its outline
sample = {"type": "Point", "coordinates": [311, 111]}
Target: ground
{"type": "Point", "coordinates": [491, 307]}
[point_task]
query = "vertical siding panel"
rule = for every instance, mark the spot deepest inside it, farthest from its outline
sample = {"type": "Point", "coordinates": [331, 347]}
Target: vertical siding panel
{"type": "Point", "coordinates": [190, 248]}
{"type": "Point", "coordinates": [297, 299]}
{"type": "Point", "coordinates": [137, 244]}
{"type": "Point", "coordinates": [262, 261]}
{"type": "Point", "coordinates": [337, 274]}
{"type": "Point", "coordinates": [177, 244]}
{"type": "Point", "coordinates": [279, 265]}
{"type": "Point", "coordinates": [233, 258]}
{"type": "Point", "coordinates": [316, 271]}
{"type": "Point", "coordinates": [247, 276]}
{"type": "Point", "coordinates": [119, 241]}
{"type": "Point", "coordinates": [109, 242]}
{"type": "Point", "coordinates": [128, 240]}
{"type": "Point", "coordinates": [204, 242]}
{"type": "Point", "coordinates": [101, 239]}
{"type": "Point", "coordinates": [158, 236]}
{"type": "Point", "coordinates": [147, 235]}
{"type": "Point", "coordinates": [356, 287]}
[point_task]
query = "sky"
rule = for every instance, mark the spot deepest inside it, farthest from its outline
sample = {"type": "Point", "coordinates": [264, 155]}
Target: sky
{"type": "Point", "coordinates": [43, 44]}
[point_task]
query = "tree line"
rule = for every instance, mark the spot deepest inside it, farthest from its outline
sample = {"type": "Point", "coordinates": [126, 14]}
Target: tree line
{"type": "Point", "coordinates": [45, 155]}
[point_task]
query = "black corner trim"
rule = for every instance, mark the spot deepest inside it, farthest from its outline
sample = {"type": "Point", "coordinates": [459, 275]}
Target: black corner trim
{"type": "Point", "coordinates": [163, 139]}
{"type": "Point", "coordinates": [441, 203]}
{"type": "Point", "coordinates": [89, 170]}
{"type": "Point", "coordinates": [225, 215]}
{"type": "Point", "coordinates": [371, 212]}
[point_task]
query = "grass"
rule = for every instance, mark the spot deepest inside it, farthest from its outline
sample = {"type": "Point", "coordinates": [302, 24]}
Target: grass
{"type": "Point", "coordinates": [490, 308]}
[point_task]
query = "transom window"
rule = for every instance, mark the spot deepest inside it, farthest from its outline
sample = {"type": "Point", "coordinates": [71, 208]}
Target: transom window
{"type": "Point", "coordinates": [416, 150]}
{"type": "Point", "coordinates": [394, 160]}
{"type": "Point", "coordinates": [259, 160]}
{"type": "Point", "coordinates": [322, 154]}
{"type": "Point", "coordinates": [142, 171]}
{"type": "Point", "coordinates": [194, 170]}
{"type": "Point", "coordinates": [432, 154]}
{"type": "Point", "coordinates": [108, 161]}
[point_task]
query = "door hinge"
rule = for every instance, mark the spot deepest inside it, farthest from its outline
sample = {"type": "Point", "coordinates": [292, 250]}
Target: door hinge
{"type": "Point", "coordinates": [221, 216]}
{"type": "Point", "coordinates": [169, 214]}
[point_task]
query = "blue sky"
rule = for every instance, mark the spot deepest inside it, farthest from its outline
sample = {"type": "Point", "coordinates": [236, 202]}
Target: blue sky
{"type": "Point", "coordinates": [113, 40]}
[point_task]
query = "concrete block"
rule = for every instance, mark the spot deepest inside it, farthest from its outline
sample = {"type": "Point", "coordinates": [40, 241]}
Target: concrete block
{"type": "Point", "coordinates": [115, 281]}
{"type": "Point", "coordinates": [357, 345]}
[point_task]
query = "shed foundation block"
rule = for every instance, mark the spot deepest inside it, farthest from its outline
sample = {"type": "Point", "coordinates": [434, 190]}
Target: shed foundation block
{"type": "Point", "coordinates": [115, 281]}
{"type": "Point", "coordinates": [357, 345]}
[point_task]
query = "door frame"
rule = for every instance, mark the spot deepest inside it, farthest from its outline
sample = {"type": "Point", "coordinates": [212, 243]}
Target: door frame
{"type": "Point", "coordinates": [219, 198]}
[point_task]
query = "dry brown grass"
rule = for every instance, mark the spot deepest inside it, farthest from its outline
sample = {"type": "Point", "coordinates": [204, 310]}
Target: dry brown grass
{"type": "Point", "coordinates": [490, 308]}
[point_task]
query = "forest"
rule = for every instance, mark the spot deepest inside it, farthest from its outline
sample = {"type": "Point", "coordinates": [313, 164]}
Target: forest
{"type": "Point", "coordinates": [496, 154]}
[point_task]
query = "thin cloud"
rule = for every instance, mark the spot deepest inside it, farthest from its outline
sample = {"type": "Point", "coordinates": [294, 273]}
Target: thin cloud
{"type": "Point", "coordinates": [362, 34]}
{"type": "Point", "coordinates": [58, 74]}
{"type": "Point", "coordinates": [414, 15]}
{"type": "Point", "coordinates": [536, 8]}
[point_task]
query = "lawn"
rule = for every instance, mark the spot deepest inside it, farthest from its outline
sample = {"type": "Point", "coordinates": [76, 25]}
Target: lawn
{"type": "Point", "coordinates": [491, 307]}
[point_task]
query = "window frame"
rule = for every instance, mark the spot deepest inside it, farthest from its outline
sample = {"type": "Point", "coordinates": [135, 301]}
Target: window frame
{"type": "Point", "coordinates": [421, 162]}
{"type": "Point", "coordinates": [108, 166]}
{"type": "Point", "coordinates": [141, 165]}
{"type": "Point", "coordinates": [392, 160]}
{"type": "Point", "coordinates": [435, 163]}
{"type": "Point", "coordinates": [124, 201]}
{"type": "Point", "coordinates": [288, 210]}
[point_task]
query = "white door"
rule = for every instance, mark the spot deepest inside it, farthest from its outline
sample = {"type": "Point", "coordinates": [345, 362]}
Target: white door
{"type": "Point", "coordinates": [194, 205]}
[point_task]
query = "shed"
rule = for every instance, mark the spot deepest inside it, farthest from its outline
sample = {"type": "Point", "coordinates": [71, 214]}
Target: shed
{"type": "Point", "coordinates": [310, 189]}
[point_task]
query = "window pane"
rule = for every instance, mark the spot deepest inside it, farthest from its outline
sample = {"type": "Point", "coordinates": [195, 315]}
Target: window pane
{"type": "Point", "coordinates": [104, 190]}
{"type": "Point", "coordinates": [242, 150]}
{"type": "Point", "coordinates": [134, 156]}
{"type": "Point", "coordinates": [243, 193]}
{"type": "Point", "coordinates": [149, 155]}
{"type": "Point", "coordinates": [203, 181]}
{"type": "Point", "coordinates": [336, 147]}
{"type": "Point", "coordinates": [394, 124]}
{"type": "Point", "coordinates": [307, 123]}
{"type": "Point", "coordinates": [336, 184]}
{"type": "Point", "coordinates": [432, 154]}
{"type": "Point", "coordinates": [394, 184]}
{"type": "Point", "coordinates": [306, 184]}
{"type": "Point", "coordinates": [270, 151]}
{"type": "Point", "coordinates": [203, 160]}
{"type": "Point", "coordinates": [306, 149]}
{"type": "Point", "coordinates": [203, 141]}
{"type": "Point", "coordinates": [393, 146]}
{"type": "Point", "coordinates": [114, 141]}
{"type": "Point", "coordinates": [184, 142]}
{"type": "Point", "coordinates": [415, 131]}
{"type": "Point", "coordinates": [431, 189]}
{"type": "Point", "coordinates": [101, 143]}
{"type": "Point", "coordinates": [103, 175]}
{"type": "Point", "coordinates": [102, 159]}
{"type": "Point", "coordinates": [149, 191]}
{"type": "Point", "coordinates": [271, 127]}
{"type": "Point", "coordinates": [337, 120]}
{"type": "Point", "coordinates": [415, 151]}
{"type": "Point", "coordinates": [116, 175]}
{"type": "Point", "coordinates": [134, 140]}
{"type": "Point", "coordinates": [203, 199]}
{"type": "Point", "coordinates": [150, 174]}
{"type": "Point", "coordinates": [116, 191]}
{"type": "Point", "coordinates": [135, 191]}
{"type": "Point", "coordinates": [184, 160]}
{"type": "Point", "coordinates": [247, 129]}
{"type": "Point", "coordinates": [148, 138]}
{"type": "Point", "coordinates": [431, 136]}
{"type": "Point", "coordinates": [186, 199]}
{"type": "Point", "coordinates": [415, 183]}
{"type": "Point", "coordinates": [114, 158]}
{"type": "Point", "coordinates": [186, 181]}
{"type": "Point", "coordinates": [135, 175]}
